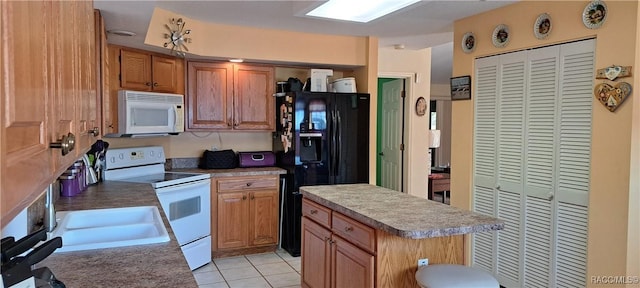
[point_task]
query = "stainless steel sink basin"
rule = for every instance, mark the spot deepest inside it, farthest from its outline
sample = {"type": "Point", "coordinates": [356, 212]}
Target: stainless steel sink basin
{"type": "Point", "coordinates": [107, 228]}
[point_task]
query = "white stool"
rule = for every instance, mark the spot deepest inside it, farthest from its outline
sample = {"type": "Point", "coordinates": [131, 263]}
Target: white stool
{"type": "Point", "coordinates": [454, 276]}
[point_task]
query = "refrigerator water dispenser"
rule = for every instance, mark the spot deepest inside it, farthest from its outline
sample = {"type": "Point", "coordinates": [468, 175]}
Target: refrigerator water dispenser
{"type": "Point", "coordinates": [310, 147]}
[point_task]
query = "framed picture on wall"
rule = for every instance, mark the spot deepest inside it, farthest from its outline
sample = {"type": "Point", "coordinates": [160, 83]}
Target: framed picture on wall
{"type": "Point", "coordinates": [461, 88]}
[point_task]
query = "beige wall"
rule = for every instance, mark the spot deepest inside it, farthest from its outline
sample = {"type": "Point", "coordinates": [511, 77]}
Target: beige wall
{"type": "Point", "coordinates": [412, 62]}
{"type": "Point", "coordinates": [225, 41]}
{"type": "Point", "coordinates": [611, 169]}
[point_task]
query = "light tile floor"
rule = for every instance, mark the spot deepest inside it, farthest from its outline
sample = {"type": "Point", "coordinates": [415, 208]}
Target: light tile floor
{"type": "Point", "coordinates": [275, 270]}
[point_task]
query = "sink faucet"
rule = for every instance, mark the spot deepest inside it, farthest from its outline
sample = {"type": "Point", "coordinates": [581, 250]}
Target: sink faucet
{"type": "Point", "coordinates": [50, 211]}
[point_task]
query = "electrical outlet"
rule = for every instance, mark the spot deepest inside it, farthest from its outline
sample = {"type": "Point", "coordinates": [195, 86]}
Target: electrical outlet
{"type": "Point", "coordinates": [423, 262]}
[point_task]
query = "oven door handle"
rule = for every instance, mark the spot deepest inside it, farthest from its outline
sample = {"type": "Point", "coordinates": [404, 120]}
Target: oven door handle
{"type": "Point", "coordinates": [169, 189]}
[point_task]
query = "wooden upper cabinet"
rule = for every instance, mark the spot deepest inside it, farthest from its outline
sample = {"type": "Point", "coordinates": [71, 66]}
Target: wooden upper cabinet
{"type": "Point", "coordinates": [225, 96]}
{"type": "Point", "coordinates": [210, 96]}
{"type": "Point", "coordinates": [90, 113]}
{"type": "Point", "coordinates": [48, 92]}
{"type": "Point", "coordinates": [164, 74]}
{"type": "Point", "coordinates": [145, 72]}
{"type": "Point", "coordinates": [25, 155]}
{"type": "Point", "coordinates": [253, 98]}
{"type": "Point", "coordinates": [135, 70]}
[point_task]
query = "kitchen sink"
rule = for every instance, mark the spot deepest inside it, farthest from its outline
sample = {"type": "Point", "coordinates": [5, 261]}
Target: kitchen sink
{"type": "Point", "coordinates": [108, 228]}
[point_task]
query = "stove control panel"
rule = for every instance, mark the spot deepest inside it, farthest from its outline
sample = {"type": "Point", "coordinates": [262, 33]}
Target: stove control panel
{"type": "Point", "coordinates": [134, 156]}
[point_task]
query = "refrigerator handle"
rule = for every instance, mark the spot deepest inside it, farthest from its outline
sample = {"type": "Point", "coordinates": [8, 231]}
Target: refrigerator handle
{"type": "Point", "coordinates": [333, 143]}
{"type": "Point", "coordinates": [338, 143]}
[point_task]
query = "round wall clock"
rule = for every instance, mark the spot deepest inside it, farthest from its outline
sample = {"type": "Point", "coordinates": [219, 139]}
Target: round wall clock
{"type": "Point", "coordinates": [421, 106]}
{"type": "Point", "coordinates": [177, 37]}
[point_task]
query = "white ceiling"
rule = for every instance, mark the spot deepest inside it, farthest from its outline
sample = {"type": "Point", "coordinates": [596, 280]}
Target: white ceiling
{"type": "Point", "coordinates": [421, 25]}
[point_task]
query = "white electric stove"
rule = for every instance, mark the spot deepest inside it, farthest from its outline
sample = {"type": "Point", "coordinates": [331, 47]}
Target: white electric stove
{"type": "Point", "coordinates": [185, 197]}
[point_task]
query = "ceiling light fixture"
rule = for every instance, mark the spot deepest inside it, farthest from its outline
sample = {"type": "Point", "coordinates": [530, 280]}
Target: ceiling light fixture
{"type": "Point", "coordinates": [176, 37]}
{"type": "Point", "coordinates": [358, 10]}
{"type": "Point", "coordinates": [122, 33]}
{"type": "Point", "coordinates": [237, 60]}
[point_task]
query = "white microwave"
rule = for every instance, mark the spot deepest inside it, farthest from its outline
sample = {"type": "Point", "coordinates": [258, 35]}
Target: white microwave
{"type": "Point", "coordinates": [149, 113]}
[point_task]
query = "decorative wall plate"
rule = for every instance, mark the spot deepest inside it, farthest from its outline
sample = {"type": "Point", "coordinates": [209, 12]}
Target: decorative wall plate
{"type": "Point", "coordinates": [500, 36]}
{"type": "Point", "coordinates": [421, 106]}
{"type": "Point", "coordinates": [542, 27]}
{"type": "Point", "coordinates": [612, 96]}
{"type": "Point", "coordinates": [613, 72]}
{"type": "Point", "coordinates": [594, 14]}
{"type": "Point", "coordinates": [468, 42]}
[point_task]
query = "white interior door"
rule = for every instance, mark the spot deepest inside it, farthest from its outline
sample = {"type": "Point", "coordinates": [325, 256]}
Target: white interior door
{"type": "Point", "coordinates": [390, 155]}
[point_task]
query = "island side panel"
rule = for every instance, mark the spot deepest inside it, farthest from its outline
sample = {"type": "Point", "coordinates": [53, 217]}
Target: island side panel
{"type": "Point", "coordinates": [397, 257]}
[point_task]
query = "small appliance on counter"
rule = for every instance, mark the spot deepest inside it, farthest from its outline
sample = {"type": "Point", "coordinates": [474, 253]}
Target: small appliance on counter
{"type": "Point", "coordinates": [16, 269]}
{"type": "Point", "coordinates": [344, 85]}
{"type": "Point", "coordinates": [256, 159]}
{"type": "Point", "coordinates": [319, 79]}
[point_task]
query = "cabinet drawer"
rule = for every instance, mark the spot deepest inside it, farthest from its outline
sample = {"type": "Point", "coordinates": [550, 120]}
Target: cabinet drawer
{"type": "Point", "coordinates": [241, 184]}
{"type": "Point", "coordinates": [354, 232]}
{"type": "Point", "coordinates": [318, 213]}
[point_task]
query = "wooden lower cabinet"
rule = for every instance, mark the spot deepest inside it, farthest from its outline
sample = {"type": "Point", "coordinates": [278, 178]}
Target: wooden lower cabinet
{"type": "Point", "coordinates": [331, 261]}
{"type": "Point", "coordinates": [316, 254]}
{"type": "Point", "coordinates": [246, 218]}
{"type": "Point", "coordinates": [338, 251]}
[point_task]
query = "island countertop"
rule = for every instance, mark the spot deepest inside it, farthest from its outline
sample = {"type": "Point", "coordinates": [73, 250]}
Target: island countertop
{"type": "Point", "coordinates": [399, 213]}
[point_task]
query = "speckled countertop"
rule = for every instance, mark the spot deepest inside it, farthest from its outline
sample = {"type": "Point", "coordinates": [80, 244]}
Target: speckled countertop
{"type": "Point", "coordinates": [256, 171]}
{"type": "Point", "coordinates": [399, 213]}
{"type": "Point", "coordinates": [153, 265]}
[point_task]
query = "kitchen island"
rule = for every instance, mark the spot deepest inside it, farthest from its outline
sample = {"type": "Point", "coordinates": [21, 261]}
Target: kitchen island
{"type": "Point", "coordinates": [360, 235]}
{"type": "Point", "coordinates": [152, 265]}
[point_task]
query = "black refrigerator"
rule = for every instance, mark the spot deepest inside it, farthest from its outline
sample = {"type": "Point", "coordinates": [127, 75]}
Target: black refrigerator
{"type": "Point", "coordinates": [321, 138]}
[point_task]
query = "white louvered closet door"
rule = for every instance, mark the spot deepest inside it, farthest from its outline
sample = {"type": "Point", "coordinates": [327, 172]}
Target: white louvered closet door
{"type": "Point", "coordinates": [512, 87]}
{"type": "Point", "coordinates": [542, 94]}
{"type": "Point", "coordinates": [485, 154]}
{"type": "Point", "coordinates": [533, 134]}
{"type": "Point", "coordinates": [573, 162]}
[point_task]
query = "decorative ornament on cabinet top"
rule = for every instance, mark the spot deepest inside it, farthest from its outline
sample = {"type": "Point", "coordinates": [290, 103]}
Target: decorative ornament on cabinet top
{"type": "Point", "coordinates": [177, 37]}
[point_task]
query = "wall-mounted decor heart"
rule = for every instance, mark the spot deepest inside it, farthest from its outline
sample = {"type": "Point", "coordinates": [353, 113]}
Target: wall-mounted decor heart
{"type": "Point", "coordinates": [612, 96]}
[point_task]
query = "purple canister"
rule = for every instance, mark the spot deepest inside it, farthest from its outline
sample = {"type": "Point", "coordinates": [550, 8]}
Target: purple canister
{"type": "Point", "coordinates": [82, 181]}
{"type": "Point", "coordinates": [68, 185]}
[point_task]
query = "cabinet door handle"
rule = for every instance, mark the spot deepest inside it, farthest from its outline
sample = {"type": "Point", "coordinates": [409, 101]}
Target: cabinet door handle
{"type": "Point", "coordinates": [229, 123]}
{"type": "Point", "coordinates": [94, 132]}
{"type": "Point", "coordinates": [248, 184]}
{"type": "Point", "coordinates": [253, 197]}
{"type": "Point", "coordinates": [235, 124]}
{"type": "Point", "coordinates": [244, 197]}
{"type": "Point", "coordinates": [348, 229]}
{"type": "Point", "coordinates": [155, 84]}
{"type": "Point", "coordinates": [66, 143]}
{"type": "Point", "coordinates": [147, 83]}
{"type": "Point", "coordinates": [313, 212]}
